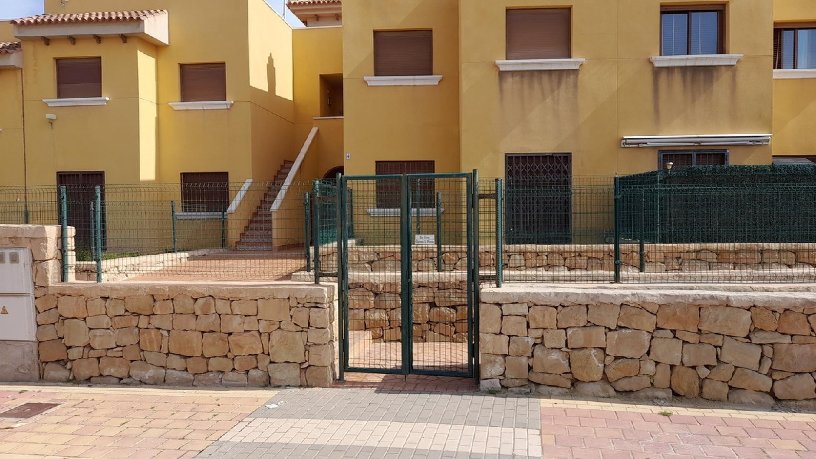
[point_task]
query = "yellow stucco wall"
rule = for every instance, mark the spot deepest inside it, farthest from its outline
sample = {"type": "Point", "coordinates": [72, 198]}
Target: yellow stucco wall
{"type": "Point", "coordinates": [617, 92]}
{"type": "Point", "coordinates": [401, 122]}
{"type": "Point", "coordinates": [317, 51]}
{"type": "Point", "coordinates": [794, 114]}
{"type": "Point", "coordinates": [11, 127]}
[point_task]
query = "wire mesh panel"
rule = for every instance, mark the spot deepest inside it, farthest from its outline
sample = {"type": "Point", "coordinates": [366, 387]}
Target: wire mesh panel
{"type": "Point", "coordinates": [373, 309]}
{"type": "Point", "coordinates": [441, 231]}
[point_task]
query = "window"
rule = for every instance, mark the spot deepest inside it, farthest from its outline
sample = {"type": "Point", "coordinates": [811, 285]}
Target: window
{"type": "Point", "coordinates": [538, 207]}
{"type": "Point", "coordinates": [795, 48]}
{"type": "Point", "coordinates": [693, 158]}
{"type": "Point", "coordinates": [403, 53]}
{"type": "Point", "coordinates": [542, 33]}
{"type": "Point", "coordinates": [204, 191]}
{"type": "Point", "coordinates": [687, 32]}
{"type": "Point", "coordinates": [388, 190]}
{"type": "Point", "coordinates": [203, 82]}
{"type": "Point", "coordinates": [79, 78]}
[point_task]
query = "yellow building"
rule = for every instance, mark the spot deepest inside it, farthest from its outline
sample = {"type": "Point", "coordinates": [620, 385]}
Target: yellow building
{"type": "Point", "coordinates": [216, 91]}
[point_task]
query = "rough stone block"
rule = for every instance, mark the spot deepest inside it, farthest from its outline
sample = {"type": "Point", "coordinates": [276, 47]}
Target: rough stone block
{"type": "Point", "coordinates": [542, 317]}
{"type": "Point", "coordinates": [622, 368]}
{"type": "Point", "coordinates": [187, 343]}
{"type": "Point", "coordinates": [491, 366]}
{"type": "Point", "coordinates": [741, 354]}
{"type": "Point", "coordinates": [248, 343]}
{"type": "Point", "coordinates": [667, 350]}
{"type": "Point", "coordinates": [605, 315]}
{"type": "Point", "coordinates": [587, 364]}
{"type": "Point", "coordinates": [699, 354]}
{"type": "Point", "coordinates": [554, 338]}
{"type": "Point", "coordinates": [586, 337]}
{"type": "Point", "coordinates": [75, 332]}
{"type": "Point", "coordinates": [725, 320]}
{"type": "Point", "coordinates": [627, 343]}
{"type": "Point", "coordinates": [794, 323]}
{"type": "Point", "coordinates": [685, 381]}
{"type": "Point", "coordinates": [514, 326]}
{"type": "Point", "coordinates": [139, 304]}
{"type": "Point", "coordinates": [284, 374]}
{"type": "Point", "coordinates": [636, 318]}
{"type": "Point", "coordinates": [751, 380]}
{"type": "Point", "coordinates": [150, 340]}
{"type": "Point", "coordinates": [286, 346]}
{"type": "Point", "coordinates": [572, 316]}
{"type": "Point", "coordinates": [551, 361]}
{"type": "Point", "coordinates": [797, 387]}
{"type": "Point", "coordinates": [795, 358]}
{"type": "Point", "coordinates": [215, 344]}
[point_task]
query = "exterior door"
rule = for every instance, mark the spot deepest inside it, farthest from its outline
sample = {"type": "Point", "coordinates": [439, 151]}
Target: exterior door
{"type": "Point", "coordinates": [398, 312]}
{"type": "Point", "coordinates": [80, 188]}
{"type": "Point", "coordinates": [539, 199]}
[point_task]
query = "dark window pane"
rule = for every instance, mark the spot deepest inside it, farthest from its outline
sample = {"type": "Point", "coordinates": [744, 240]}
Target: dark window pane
{"type": "Point", "coordinates": [680, 159]}
{"type": "Point", "coordinates": [806, 50]}
{"type": "Point", "coordinates": [388, 190]}
{"type": "Point", "coordinates": [204, 191]}
{"type": "Point", "coordinates": [788, 47]}
{"type": "Point", "coordinates": [677, 159]}
{"type": "Point", "coordinates": [675, 34]}
{"type": "Point", "coordinates": [705, 33]}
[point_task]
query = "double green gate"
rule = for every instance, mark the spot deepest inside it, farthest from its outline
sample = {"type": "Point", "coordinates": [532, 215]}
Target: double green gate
{"type": "Point", "coordinates": [408, 274]}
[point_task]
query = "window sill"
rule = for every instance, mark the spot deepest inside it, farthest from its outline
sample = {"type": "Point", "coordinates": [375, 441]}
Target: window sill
{"type": "Point", "coordinates": [77, 102]}
{"type": "Point", "coordinates": [424, 212]}
{"type": "Point", "coordinates": [791, 74]}
{"type": "Point", "coordinates": [199, 215]}
{"type": "Point", "coordinates": [698, 60]}
{"type": "Point", "coordinates": [208, 105]}
{"type": "Point", "coordinates": [419, 80]}
{"type": "Point", "coordinates": [321, 118]}
{"type": "Point", "coordinates": [529, 65]}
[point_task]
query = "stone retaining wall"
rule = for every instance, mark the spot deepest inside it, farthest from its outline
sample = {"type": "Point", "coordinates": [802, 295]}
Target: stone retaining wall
{"type": "Point", "coordinates": [594, 257]}
{"type": "Point", "coordinates": [743, 347]}
{"type": "Point", "coordinates": [232, 335]}
{"type": "Point", "coordinates": [439, 307]}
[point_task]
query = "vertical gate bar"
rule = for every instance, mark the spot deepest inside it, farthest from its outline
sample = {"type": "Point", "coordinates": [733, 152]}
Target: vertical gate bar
{"type": "Point", "coordinates": [92, 231]}
{"type": "Point", "coordinates": [306, 232]}
{"type": "Point", "coordinates": [471, 182]}
{"type": "Point", "coordinates": [350, 205]}
{"type": "Point", "coordinates": [405, 275]}
{"type": "Point", "coordinates": [98, 232]}
{"type": "Point", "coordinates": [617, 209]}
{"type": "Point", "coordinates": [316, 229]}
{"type": "Point", "coordinates": [342, 273]}
{"type": "Point", "coordinates": [499, 233]}
{"type": "Point", "coordinates": [173, 216]}
{"type": "Point", "coordinates": [63, 206]}
{"type": "Point", "coordinates": [439, 231]}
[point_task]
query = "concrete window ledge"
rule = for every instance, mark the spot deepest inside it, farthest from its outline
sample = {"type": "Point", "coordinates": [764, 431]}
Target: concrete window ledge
{"type": "Point", "coordinates": [208, 105]}
{"type": "Point", "coordinates": [77, 102]}
{"type": "Point", "coordinates": [418, 80]}
{"type": "Point", "coordinates": [794, 74]}
{"type": "Point", "coordinates": [424, 212]}
{"type": "Point", "coordinates": [529, 65]}
{"type": "Point", "coordinates": [698, 60]}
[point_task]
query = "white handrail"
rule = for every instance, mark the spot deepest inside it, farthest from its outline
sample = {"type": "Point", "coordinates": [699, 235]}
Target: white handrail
{"type": "Point", "coordinates": [293, 172]}
{"type": "Point", "coordinates": [239, 197]}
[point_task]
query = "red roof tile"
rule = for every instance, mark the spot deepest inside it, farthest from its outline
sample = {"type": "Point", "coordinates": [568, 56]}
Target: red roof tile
{"type": "Point", "coordinates": [100, 16]}
{"type": "Point", "coordinates": [9, 47]}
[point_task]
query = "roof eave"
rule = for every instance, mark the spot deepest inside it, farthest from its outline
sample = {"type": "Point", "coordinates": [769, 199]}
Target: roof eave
{"type": "Point", "coordinates": [154, 29]}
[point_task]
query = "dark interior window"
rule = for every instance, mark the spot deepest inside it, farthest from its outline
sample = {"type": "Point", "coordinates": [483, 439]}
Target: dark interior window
{"type": "Point", "coordinates": [693, 158]}
{"type": "Point", "coordinates": [795, 48]}
{"type": "Point", "coordinates": [204, 191]}
{"type": "Point", "coordinates": [388, 190]}
{"type": "Point", "coordinates": [685, 32]}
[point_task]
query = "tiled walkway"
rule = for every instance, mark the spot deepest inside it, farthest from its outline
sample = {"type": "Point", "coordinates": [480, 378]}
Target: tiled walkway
{"type": "Point", "coordinates": [376, 416]}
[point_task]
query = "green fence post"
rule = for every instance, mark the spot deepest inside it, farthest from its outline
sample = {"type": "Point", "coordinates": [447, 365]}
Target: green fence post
{"type": "Point", "coordinates": [406, 293]}
{"type": "Point", "coordinates": [307, 229]}
{"type": "Point", "coordinates": [173, 216]}
{"type": "Point", "coordinates": [342, 273]}
{"type": "Point", "coordinates": [223, 229]}
{"type": "Point", "coordinates": [439, 267]}
{"type": "Point", "coordinates": [63, 206]}
{"type": "Point", "coordinates": [473, 274]}
{"type": "Point", "coordinates": [316, 229]}
{"type": "Point", "coordinates": [499, 233]}
{"type": "Point", "coordinates": [617, 209]}
{"type": "Point", "coordinates": [642, 237]}
{"type": "Point", "coordinates": [98, 232]}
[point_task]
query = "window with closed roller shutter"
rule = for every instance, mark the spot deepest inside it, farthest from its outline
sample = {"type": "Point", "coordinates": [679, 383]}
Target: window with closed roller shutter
{"type": "Point", "coordinates": [403, 53]}
{"type": "Point", "coordinates": [540, 33]}
{"type": "Point", "coordinates": [203, 82]}
{"type": "Point", "coordinates": [79, 78]}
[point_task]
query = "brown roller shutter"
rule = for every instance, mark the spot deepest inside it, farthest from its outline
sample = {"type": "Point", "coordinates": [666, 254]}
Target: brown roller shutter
{"type": "Point", "coordinates": [403, 53]}
{"type": "Point", "coordinates": [79, 78]}
{"type": "Point", "coordinates": [203, 82]}
{"type": "Point", "coordinates": [388, 190]}
{"type": "Point", "coordinates": [542, 33]}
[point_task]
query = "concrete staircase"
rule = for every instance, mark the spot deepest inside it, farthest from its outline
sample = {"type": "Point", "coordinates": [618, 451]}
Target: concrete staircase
{"type": "Point", "coordinates": [257, 235]}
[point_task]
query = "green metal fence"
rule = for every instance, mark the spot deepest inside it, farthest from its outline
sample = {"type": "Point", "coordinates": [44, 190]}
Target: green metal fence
{"type": "Point", "coordinates": [707, 224]}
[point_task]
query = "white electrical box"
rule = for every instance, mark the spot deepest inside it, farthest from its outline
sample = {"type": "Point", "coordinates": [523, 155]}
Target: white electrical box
{"type": "Point", "coordinates": [17, 316]}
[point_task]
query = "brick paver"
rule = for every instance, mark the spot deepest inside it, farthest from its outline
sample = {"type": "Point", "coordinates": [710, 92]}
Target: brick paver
{"type": "Point", "coordinates": [592, 429]}
{"type": "Point", "coordinates": [386, 416]}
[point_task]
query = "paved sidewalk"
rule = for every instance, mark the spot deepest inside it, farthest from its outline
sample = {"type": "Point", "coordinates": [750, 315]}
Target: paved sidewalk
{"type": "Point", "coordinates": [379, 416]}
